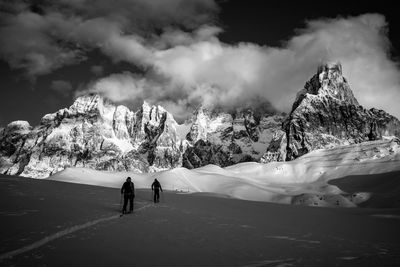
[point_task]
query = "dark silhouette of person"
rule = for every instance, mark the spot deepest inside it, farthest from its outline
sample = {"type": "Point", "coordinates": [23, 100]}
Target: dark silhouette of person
{"type": "Point", "coordinates": [156, 187]}
{"type": "Point", "coordinates": [128, 190]}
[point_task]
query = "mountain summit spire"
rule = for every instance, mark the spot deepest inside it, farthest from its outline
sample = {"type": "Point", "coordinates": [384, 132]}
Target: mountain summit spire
{"type": "Point", "coordinates": [326, 114]}
{"type": "Point", "coordinates": [328, 82]}
{"type": "Point", "coordinates": [330, 67]}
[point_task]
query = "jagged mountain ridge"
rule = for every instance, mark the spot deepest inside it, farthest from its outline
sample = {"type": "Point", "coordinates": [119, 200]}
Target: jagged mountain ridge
{"type": "Point", "coordinates": [93, 133]}
{"type": "Point", "coordinates": [98, 134]}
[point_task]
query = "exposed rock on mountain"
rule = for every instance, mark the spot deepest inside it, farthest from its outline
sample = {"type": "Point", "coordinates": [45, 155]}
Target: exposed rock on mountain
{"type": "Point", "coordinates": [326, 114]}
{"type": "Point", "coordinates": [14, 140]}
{"type": "Point", "coordinates": [97, 134]}
{"type": "Point", "coordinates": [225, 139]}
{"type": "Point", "coordinates": [92, 133]}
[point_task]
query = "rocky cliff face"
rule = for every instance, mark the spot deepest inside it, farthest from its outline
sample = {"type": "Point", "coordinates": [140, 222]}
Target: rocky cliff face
{"type": "Point", "coordinates": [225, 139]}
{"type": "Point", "coordinates": [92, 133]}
{"type": "Point", "coordinates": [326, 114]}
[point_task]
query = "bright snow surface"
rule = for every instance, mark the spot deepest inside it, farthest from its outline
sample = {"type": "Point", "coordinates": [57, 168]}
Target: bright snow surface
{"type": "Point", "coordinates": [281, 182]}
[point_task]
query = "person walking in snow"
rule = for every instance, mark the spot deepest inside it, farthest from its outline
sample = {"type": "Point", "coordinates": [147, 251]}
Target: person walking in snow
{"type": "Point", "coordinates": [156, 187]}
{"type": "Point", "coordinates": [128, 190]}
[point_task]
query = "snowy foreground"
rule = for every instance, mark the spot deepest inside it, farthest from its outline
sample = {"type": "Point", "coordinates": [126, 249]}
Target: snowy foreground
{"type": "Point", "coordinates": [304, 181]}
{"type": "Point", "coordinates": [49, 223]}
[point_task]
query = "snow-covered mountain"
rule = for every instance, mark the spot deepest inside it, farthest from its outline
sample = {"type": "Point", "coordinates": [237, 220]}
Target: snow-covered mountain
{"type": "Point", "coordinates": [93, 133]}
{"type": "Point", "coordinates": [97, 134]}
{"type": "Point", "coordinates": [326, 114]}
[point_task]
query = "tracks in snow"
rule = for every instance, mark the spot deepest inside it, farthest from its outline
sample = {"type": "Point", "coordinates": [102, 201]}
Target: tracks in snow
{"type": "Point", "coordinates": [60, 234]}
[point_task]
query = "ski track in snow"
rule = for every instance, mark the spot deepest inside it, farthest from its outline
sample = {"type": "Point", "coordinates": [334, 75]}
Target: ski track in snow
{"type": "Point", "coordinates": [294, 239]}
{"type": "Point", "coordinates": [284, 262]}
{"type": "Point", "coordinates": [62, 233]}
{"type": "Point", "coordinates": [17, 213]}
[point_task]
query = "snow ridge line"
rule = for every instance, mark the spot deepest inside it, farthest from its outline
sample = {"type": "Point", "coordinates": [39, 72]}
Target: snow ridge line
{"type": "Point", "coordinates": [60, 234]}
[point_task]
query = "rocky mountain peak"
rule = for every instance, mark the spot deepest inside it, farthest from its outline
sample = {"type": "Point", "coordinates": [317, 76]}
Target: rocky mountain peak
{"type": "Point", "coordinates": [87, 104]}
{"type": "Point", "coordinates": [327, 85]}
{"type": "Point", "coordinates": [153, 114]}
{"type": "Point", "coordinates": [200, 125]}
{"type": "Point", "coordinates": [326, 114]}
{"type": "Point", "coordinates": [18, 126]}
{"type": "Point", "coordinates": [329, 70]}
{"type": "Point", "coordinates": [333, 84]}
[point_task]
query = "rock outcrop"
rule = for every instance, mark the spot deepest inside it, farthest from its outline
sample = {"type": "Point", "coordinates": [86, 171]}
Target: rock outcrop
{"type": "Point", "coordinates": [326, 114]}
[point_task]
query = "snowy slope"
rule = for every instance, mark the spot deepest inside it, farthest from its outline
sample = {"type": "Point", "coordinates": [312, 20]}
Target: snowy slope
{"type": "Point", "coordinates": [48, 223]}
{"type": "Point", "coordinates": [296, 181]}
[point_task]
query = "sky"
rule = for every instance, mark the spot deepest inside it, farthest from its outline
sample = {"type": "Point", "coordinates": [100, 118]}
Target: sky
{"type": "Point", "coordinates": [182, 54]}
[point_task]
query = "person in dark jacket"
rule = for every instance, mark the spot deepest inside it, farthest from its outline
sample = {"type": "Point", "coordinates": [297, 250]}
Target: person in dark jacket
{"type": "Point", "coordinates": [156, 187]}
{"type": "Point", "coordinates": [128, 190]}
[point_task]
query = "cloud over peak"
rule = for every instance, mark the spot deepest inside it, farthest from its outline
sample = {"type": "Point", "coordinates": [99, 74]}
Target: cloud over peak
{"type": "Point", "coordinates": [183, 61]}
{"type": "Point", "coordinates": [211, 73]}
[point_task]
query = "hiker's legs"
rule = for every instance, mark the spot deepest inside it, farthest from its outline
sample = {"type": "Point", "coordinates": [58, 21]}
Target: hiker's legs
{"type": "Point", "coordinates": [156, 195]}
{"type": "Point", "coordinates": [130, 203]}
{"type": "Point", "coordinates": [126, 197]}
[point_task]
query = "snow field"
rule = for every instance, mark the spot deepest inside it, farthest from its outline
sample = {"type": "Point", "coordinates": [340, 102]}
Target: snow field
{"type": "Point", "coordinates": [303, 181]}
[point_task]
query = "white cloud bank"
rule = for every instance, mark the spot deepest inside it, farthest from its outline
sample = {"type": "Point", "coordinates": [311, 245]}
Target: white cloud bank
{"type": "Point", "coordinates": [187, 65]}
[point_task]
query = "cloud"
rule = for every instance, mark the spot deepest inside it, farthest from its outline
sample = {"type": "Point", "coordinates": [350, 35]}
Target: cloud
{"type": "Point", "coordinates": [362, 46]}
{"type": "Point", "coordinates": [133, 89]}
{"type": "Point", "coordinates": [62, 87]}
{"type": "Point", "coordinates": [183, 62]}
{"type": "Point", "coordinates": [62, 31]}
{"type": "Point", "coordinates": [202, 70]}
{"type": "Point", "coordinates": [120, 87]}
{"type": "Point", "coordinates": [26, 44]}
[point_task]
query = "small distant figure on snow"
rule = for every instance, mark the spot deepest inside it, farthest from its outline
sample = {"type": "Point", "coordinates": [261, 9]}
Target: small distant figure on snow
{"type": "Point", "coordinates": [128, 190]}
{"type": "Point", "coordinates": [156, 187]}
